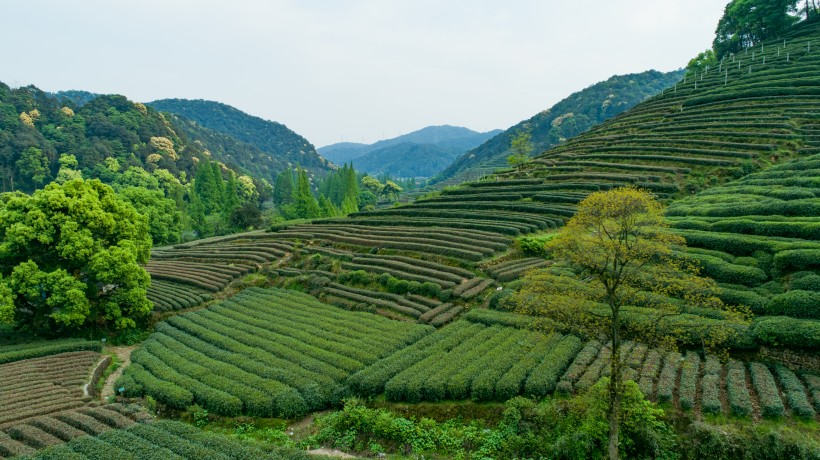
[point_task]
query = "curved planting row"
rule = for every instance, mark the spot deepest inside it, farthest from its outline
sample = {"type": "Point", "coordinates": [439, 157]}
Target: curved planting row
{"type": "Point", "coordinates": [163, 439]}
{"type": "Point", "coordinates": [377, 299]}
{"type": "Point", "coordinates": [210, 277]}
{"type": "Point", "coordinates": [469, 360]}
{"type": "Point", "coordinates": [25, 437]}
{"type": "Point", "coordinates": [263, 352]}
{"type": "Point", "coordinates": [168, 296]}
{"type": "Point", "coordinates": [17, 352]}
{"type": "Point", "coordinates": [407, 239]}
{"type": "Point", "coordinates": [41, 386]}
{"type": "Point", "coordinates": [512, 269]}
{"type": "Point", "coordinates": [760, 238]}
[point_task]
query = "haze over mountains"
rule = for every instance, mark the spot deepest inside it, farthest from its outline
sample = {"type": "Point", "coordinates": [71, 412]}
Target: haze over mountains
{"type": "Point", "coordinates": [571, 116]}
{"type": "Point", "coordinates": [421, 153]}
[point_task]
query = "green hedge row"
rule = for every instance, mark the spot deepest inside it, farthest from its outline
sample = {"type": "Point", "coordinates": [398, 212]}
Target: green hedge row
{"type": "Point", "coordinates": [740, 401]}
{"type": "Point", "coordinates": [766, 388]}
{"type": "Point", "coordinates": [37, 349]}
{"type": "Point", "coordinates": [794, 392]}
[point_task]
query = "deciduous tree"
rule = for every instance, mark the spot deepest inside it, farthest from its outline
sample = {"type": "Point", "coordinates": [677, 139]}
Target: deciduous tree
{"type": "Point", "coordinates": [614, 250]}
{"type": "Point", "coordinates": [71, 255]}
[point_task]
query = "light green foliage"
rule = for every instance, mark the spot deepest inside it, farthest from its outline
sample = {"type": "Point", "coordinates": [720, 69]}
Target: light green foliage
{"type": "Point", "coordinates": [701, 63]}
{"type": "Point", "coordinates": [521, 147]}
{"type": "Point", "coordinates": [164, 220]}
{"type": "Point", "coordinates": [68, 169]}
{"type": "Point", "coordinates": [71, 256]}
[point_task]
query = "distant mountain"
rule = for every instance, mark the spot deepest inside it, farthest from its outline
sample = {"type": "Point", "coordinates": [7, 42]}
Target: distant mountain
{"type": "Point", "coordinates": [277, 146]}
{"type": "Point", "coordinates": [421, 153]}
{"type": "Point", "coordinates": [568, 118]}
{"type": "Point", "coordinates": [343, 152]}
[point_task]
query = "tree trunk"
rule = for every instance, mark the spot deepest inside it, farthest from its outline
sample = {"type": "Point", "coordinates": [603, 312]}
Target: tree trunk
{"type": "Point", "coordinates": [614, 385]}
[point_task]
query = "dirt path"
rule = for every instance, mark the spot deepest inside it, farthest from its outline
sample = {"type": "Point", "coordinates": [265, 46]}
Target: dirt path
{"type": "Point", "coordinates": [330, 453]}
{"type": "Point", "coordinates": [124, 356]}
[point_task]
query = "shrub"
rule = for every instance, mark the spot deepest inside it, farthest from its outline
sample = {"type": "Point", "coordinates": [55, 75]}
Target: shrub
{"type": "Point", "coordinates": [739, 400]}
{"type": "Point", "coordinates": [689, 380]}
{"type": "Point", "coordinates": [796, 304]}
{"type": "Point", "coordinates": [783, 331]}
{"type": "Point", "coordinates": [666, 380]}
{"type": "Point", "coordinates": [806, 281]}
{"type": "Point", "coordinates": [794, 392]}
{"type": "Point", "coordinates": [796, 259]}
{"type": "Point", "coordinates": [770, 403]}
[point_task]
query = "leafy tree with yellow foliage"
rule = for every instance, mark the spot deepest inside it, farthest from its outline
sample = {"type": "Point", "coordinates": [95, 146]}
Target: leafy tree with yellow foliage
{"type": "Point", "coordinates": [614, 252]}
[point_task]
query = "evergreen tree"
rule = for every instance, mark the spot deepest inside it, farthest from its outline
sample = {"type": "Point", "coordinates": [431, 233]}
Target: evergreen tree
{"type": "Point", "coordinates": [206, 189]}
{"type": "Point", "coordinates": [283, 189]}
{"type": "Point", "coordinates": [231, 195]}
{"type": "Point", "coordinates": [327, 208]}
{"type": "Point", "coordinates": [219, 182]}
{"type": "Point", "coordinates": [305, 204]}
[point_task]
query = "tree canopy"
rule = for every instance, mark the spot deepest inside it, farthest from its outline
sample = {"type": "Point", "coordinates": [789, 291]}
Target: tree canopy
{"type": "Point", "coordinates": [71, 256]}
{"type": "Point", "coordinates": [746, 23]}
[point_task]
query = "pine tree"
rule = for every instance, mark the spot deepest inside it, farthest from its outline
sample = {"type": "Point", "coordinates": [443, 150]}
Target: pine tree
{"type": "Point", "coordinates": [206, 189]}
{"type": "Point", "coordinates": [305, 203]}
{"type": "Point", "coordinates": [231, 196]}
{"type": "Point", "coordinates": [283, 189]}
{"type": "Point", "coordinates": [327, 208]}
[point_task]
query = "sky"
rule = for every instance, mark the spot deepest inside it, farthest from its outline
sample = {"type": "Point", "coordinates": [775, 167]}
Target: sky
{"type": "Point", "coordinates": [357, 70]}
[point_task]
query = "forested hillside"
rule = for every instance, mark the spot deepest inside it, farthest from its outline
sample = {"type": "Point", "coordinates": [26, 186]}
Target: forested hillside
{"type": "Point", "coordinates": [566, 119]}
{"type": "Point", "coordinates": [281, 147]}
{"type": "Point", "coordinates": [422, 153]}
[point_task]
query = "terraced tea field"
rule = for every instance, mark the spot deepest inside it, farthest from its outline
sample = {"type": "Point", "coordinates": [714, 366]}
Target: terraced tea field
{"type": "Point", "coordinates": [161, 439]}
{"type": "Point", "coordinates": [262, 352]}
{"type": "Point", "coordinates": [41, 386]}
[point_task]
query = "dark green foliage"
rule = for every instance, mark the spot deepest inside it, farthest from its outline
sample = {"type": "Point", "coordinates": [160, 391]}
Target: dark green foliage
{"type": "Point", "coordinates": [265, 149]}
{"type": "Point", "coordinates": [746, 23]}
{"type": "Point", "coordinates": [806, 281]}
{"type": "Point", "coordinates": [797, 304]}
{"type": "Point", "coordinates": [22, 351]}
{"type": "Point", "coordinates": [786, 332]}
{"type": "Point", "coordinates": [766, 389]}
{"type": "Point", "coordinates": [728, 442]}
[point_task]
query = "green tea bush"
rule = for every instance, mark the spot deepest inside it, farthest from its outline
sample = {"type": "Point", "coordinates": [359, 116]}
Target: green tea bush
{"type": "Point", "coordinates": [783, 331]}
{"type": "Point", "coordinates": [806, 281]}
{"type": "Point", "coordinates": [766, 389]}
{"type": "Point", "coordinates": [689, 380]}
{"type": "Point", "coordinates": [738, 393]}
{"type": "Point", "coordinates": [795, 393]}
{"type": "Point", "coordinates": [796, 304]}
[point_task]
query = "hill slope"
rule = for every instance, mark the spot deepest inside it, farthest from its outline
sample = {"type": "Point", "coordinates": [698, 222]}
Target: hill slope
{"type": "Point", "coordinates": [422, 153]}
{"type": "Point", "coordinates": [108, 126]}
{"type": "Point", "coordinates": [568, 118]}
{"type": "Point", "coordinates": [280, 145]}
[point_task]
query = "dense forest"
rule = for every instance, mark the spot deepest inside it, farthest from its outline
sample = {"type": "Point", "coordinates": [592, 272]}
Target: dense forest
{"type": "Point", "coordinates": [263, 148]}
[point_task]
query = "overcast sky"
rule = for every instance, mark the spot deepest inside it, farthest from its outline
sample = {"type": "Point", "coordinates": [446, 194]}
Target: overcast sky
{"type": "Point", "coordinates": [358, 70]}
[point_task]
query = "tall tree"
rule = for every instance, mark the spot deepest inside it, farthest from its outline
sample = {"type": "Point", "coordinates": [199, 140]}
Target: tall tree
{"type": "Point", "coordinates": [33, 164]}
{"type": "Point", "coordinates": [746, 23]}
{"type": "Point", "coordinates": [305, 204]}
{"type": "Point", "coordinates": [617, 249]}
{"type": "Point", "coordinates": [230, 199]}
{"type": "Point", "coordinates": [521, 147]}
{"type": "Point", "coordinates": [283, 189]}
{"type": "Point", "coordinates": [206, 187]}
